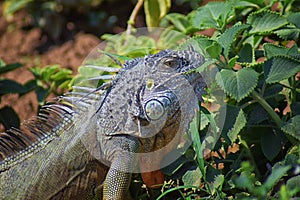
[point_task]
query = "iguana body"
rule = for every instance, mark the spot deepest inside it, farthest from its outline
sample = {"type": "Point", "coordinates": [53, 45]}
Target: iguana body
{"type": "Point", "coordinates": [65, 152]}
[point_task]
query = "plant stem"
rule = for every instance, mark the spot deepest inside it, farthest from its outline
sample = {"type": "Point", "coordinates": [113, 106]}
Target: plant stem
{"type": "Point", "coordinates": [132, 17]}
{"type": "Point", "coordinates": [268, 108]}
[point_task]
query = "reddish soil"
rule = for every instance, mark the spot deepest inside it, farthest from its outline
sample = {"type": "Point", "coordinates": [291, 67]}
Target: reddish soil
{"type": "Point", "coordinates": [22, 46]}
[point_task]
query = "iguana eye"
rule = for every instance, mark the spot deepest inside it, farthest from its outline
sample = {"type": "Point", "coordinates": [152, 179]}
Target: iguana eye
{"type": "Point", "coordinates": [169, 62]}
{"type": "Point", "coordinates": [154, 109]}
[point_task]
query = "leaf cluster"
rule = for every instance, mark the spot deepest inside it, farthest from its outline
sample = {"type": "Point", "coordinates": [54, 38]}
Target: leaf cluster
{"type": "Point", "coordinates": [47, 80]}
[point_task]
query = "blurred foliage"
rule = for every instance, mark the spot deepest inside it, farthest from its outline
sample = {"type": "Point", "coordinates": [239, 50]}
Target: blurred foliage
{"type": "Point", "coordinates": [52, 16]}
{"type": "Point", "coordinates": [47, 80]}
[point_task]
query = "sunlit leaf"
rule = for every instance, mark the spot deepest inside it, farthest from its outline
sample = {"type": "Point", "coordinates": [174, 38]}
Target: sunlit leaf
{"type": "Point", "coordinates": [239, 124]}
{"type": "Point", "coordinates": [282, 68]}
{"type": "Point", "coordinates": [230, 35]}
{"type": "Point", "coordinates": [237, 84]}
{"type": "Point", "coordinates": [213, 15]}
{"type": "Point", "coordinates": [265, 22]}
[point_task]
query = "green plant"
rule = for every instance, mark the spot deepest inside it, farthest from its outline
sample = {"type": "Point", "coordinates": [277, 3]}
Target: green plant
{"type": "Point", "coordinates": [8, 116]}
{"type": "Point", "coordinates": [254, 45]}
{"type": "Point", "coordinates": [48, 80]}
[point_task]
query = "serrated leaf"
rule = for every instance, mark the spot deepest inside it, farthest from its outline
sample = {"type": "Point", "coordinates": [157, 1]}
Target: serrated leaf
{"type": "Point", "coordinates": [294, 18]}
{"type": "Point", "coordinates": [230, 35]}
{"type": "Point", "coordinates": [246, 4]}
{"type": "Point", "coordinates": [213, 15]}
{"type": "Point", "coordinates": [204, 121]}
{"type": "Point", "coordinates": [282, 68]}
{"type": "Point", "coordinates": [288, 33]}
{"type": "Point", "coordinates": [192, 177]}
{"type": "Point", "coordinates": [265, 22]}
{"type": "Point", "coordinates": [278, 171]}
{"type": "Point", "coordinates": [155, 10]}
{"type": "Point", "coordinates": [293, 127]}
{"type": "Point", "coordinates": [237, 84]}
{"type": "Point", "coordinates": [272, 50]}
{"type": "Point", "coordinates": [239, 124]}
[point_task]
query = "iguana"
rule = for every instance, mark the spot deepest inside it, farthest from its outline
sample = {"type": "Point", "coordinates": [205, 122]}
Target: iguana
{"type": "Point", "coordinates": [91, 139]}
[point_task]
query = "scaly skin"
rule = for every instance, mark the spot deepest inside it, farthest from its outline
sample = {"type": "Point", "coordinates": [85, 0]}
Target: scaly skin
{"type": "Point", "coordinates": [62, 153]}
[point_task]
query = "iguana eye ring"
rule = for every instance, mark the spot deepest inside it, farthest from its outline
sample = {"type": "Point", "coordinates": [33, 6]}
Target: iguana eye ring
{"type": "Point", "coordinates": [169, 62]}
{"type": "Point", "coordinates": [154, 109]}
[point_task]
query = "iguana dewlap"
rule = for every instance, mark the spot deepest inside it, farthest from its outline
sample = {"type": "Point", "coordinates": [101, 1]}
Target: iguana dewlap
{"type": "Point", "coordinates": [91, 139]}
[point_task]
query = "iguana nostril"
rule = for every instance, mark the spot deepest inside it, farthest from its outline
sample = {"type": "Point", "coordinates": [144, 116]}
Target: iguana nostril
{"type": "Point", "coordinates": [154, 109]}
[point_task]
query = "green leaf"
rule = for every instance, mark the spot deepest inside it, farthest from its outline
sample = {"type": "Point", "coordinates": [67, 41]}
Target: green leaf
{"type": "Point", "coordinates": [41, 94]}
{"type": "Point", "coordinates": [12, 6]}
{"type": "Point", "coordinates": [155, 10]}
{"type": "Point", "coordinates": [192, 177]}
{"type": "Point", "coordinates": [278, 171]}
{"type": "Point", "coordinates": [204, 120]}
{"type": "Point", "coordinates": [282, 68]}
{"type": "Point", "coordinates": [214, 50]}
{"type": "Point", "coordinates": [179, 21]}
{"type": "Point", "coordinates": [9, 118]}
{"type": "Point", "coordinates": [213, 15]}
{"type": "Point", "coordinates": [170, 39]}
{"type": "Point", "coordinates": [271, 143]}
{"type": "Point", "coordinates": [246, 54]}
{"type": "Point", "coordinates": [294, 18]}
{"type": "Point", "coordinates": [239, 124]}
{"type": "Point", "coordinates": [216, 184]}
{"type": "Point", "coordinates": [9, 87]}
{"type": "Point", "coordinates": [230, 35]}
{"type": "Point", "coordinates": [61, 74]}
{"type": "Point", "coordinates": [232, 61]}
{"type": "Point", "coordinates": [272, 50]}
{"type": "Point", "coordinates": [199, 43]}
{"type": "Point", "coordinates": [6, 68]}
{"type": "Point", "coordinates": [265, 22]}
{"type": "Point", "coordinates": [295, 107]}
{"type": "Point", "coordinates": [293, 127]}
{"type": "Point", "coordinates": [194, 127]}
{"type": "Point", "coordinates": [288, 33]}
{"type": "Point", "coordinates": [293, 185]}
{"type": "Point", "coordinates": [237, 84]}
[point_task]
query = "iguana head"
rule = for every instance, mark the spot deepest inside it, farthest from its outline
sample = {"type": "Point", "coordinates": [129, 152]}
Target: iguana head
{"type": "Point", "coordinates": [149, 90]}
{"type": "Point", "coordinates": [153, 98]}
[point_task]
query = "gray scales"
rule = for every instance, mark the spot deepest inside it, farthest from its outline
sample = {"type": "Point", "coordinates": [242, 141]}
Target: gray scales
{"type": "Point", "coordinates": [86, 144]}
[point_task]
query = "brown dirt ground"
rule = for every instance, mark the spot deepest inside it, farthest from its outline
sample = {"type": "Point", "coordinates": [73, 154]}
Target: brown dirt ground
{"type": "Point", "coordinates": [19, 45]}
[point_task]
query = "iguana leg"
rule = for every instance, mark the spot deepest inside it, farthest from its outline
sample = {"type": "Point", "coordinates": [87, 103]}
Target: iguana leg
{"type": "Point", "coordinates": [118, 177]}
